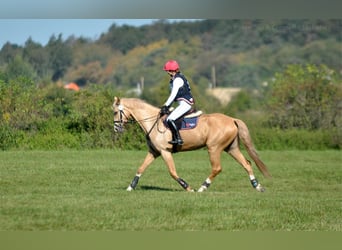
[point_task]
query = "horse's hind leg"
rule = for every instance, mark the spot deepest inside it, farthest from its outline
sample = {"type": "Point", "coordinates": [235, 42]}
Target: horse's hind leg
{"type": "Point", "coordinates": [239, 157]}
{"type": "Point", "coordinates": [216, 168]}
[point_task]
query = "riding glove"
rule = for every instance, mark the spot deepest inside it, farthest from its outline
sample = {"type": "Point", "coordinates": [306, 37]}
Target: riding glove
{"type": "Point", "coordinates": [164, 110]}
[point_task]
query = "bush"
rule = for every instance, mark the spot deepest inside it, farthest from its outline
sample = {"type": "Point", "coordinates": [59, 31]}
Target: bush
{"type": "Point", "coordinates": [296, 139]}
{"type": "Point", "coordinates": [54, 140]}
{"type": "Point", "coordinates": [305, 97]}
{"type": "Point", "coordinates": [9, 137]}
{"type": "Point", "coordinates": [54, 118]}
{"type": "Point", "coordinates": [133, 138]}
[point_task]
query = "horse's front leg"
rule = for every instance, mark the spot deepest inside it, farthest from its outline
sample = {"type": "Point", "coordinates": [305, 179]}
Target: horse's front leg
{"type": "Point", "coordinates": [168, 159]}
{"type": "Point", "coordinates": [148, 160]}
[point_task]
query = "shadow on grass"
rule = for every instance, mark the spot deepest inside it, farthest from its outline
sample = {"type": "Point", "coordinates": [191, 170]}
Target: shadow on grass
{"type": "Point", "coordinates": [154, 188]}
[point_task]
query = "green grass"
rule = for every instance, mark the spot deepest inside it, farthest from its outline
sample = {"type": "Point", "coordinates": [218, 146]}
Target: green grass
{"type": "Point", "coordinates": [86, 190]}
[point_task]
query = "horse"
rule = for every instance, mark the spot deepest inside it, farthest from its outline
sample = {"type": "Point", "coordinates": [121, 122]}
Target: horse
{"type": "Point", "coordinates": [216, 131]}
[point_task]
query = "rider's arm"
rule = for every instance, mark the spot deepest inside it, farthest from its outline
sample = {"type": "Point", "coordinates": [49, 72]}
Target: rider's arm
{"type": "Point", "coordinates": [177, 84]}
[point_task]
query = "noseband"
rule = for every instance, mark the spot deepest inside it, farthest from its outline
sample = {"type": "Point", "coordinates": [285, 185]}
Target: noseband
{"type": "Point", "coordinates": [118, 125]}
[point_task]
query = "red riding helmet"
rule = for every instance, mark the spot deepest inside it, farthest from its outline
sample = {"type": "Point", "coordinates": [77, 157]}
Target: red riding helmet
{"type": "Point", "coordinates": [171, 65]}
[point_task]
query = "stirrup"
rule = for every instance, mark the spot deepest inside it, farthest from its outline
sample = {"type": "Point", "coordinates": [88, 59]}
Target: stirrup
{"type": "Point", "coordinates": [177, 142]}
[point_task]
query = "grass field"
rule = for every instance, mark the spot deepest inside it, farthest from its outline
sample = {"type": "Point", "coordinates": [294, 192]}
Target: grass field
{"type": "Point", "coordinates": [86, 190]}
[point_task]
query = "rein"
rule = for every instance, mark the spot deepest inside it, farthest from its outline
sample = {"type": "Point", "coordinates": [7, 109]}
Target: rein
{"type": "Point", "coordinates": [154, 124]}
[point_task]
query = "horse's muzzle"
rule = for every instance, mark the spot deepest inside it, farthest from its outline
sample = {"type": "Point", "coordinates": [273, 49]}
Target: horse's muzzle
{"type": "Point", "coordinates": [118, 128]}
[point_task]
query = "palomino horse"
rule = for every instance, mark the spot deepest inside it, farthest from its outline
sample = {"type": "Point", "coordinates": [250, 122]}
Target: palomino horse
{"type": "Point", "coordinates": [216, 131]}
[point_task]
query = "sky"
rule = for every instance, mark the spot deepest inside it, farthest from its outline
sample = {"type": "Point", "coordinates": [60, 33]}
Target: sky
{"type": "Point", "coordinates": [17, 31]}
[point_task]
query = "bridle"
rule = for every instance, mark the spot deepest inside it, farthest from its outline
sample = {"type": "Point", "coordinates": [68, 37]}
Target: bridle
{"type": "Point", "coordinates": [119, 125]}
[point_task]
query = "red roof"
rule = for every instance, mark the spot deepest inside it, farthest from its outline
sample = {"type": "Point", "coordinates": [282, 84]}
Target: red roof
{"type": "Point", "coordinates": [72, 86]}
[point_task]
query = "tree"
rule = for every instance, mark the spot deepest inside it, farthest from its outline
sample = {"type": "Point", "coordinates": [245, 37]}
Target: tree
{"type": "Point", "coordinates": [89, 73]}
{"type": "Point", "coordinates": [18, 67]}
{"type": "Point", "coordinates": [306, 97]}
{"type": "Point", "coordinates": [60, 56]}
{"type": "Point", "coordinates": [37, 56]}
{"type": "Point", "coordinates": [8, 52]}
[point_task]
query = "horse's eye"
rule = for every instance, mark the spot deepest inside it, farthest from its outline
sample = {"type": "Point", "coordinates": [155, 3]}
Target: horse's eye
{"type": "Point", "coordinates": [115, 112]}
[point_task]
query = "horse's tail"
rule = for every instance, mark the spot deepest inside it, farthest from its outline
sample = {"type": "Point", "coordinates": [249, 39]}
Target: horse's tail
{"type": "Point", "coordinates": [246, 139]}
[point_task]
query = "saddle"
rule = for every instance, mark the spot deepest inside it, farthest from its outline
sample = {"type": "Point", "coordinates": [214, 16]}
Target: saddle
{"type": "Point", "coordinates": [188, 120]}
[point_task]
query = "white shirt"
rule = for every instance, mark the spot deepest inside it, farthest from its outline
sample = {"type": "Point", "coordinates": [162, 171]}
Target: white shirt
{"type": "Point", "coordinates": [177, 84]}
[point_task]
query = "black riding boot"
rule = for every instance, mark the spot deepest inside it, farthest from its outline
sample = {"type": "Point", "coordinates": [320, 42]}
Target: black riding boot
{"type": "Point", "coordinates": [176, 139]}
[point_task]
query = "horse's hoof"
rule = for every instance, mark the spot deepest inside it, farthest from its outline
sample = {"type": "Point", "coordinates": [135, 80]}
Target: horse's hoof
{"type": "Point", "coordinates": [129, 188]}
{"type": "Point", "coordinates": [260, 188]}
{"type": "Point", "coordinates": [202, 189]}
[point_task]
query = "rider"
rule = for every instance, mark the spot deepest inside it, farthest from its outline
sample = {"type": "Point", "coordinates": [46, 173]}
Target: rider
{"type": "Point", "coordinates": [180, 92]}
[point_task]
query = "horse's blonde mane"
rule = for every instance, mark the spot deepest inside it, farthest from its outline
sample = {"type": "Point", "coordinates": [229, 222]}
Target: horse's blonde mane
{"type": "Point", "coordinates": [138, 103]}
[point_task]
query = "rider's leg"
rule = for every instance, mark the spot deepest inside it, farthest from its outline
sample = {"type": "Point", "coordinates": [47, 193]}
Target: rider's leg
{"type": "Point", "coordinates": [182, 108]}
{"type": "Point", "coordinates": [176, 138]}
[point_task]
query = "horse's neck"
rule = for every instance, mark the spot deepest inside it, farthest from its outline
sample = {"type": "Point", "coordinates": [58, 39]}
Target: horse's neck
{"type": "Point", "coordinates": [146, 116]}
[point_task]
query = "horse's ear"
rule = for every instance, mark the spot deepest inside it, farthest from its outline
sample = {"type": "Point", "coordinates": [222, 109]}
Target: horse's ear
{"type": "Point", "coordinates": [116, 100]}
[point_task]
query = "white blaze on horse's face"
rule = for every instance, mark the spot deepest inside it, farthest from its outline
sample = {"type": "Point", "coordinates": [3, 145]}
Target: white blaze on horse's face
{"type": "Point", "coordinates": [119, 117]}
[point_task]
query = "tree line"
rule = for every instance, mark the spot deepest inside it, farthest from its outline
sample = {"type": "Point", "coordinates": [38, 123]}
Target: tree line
{"type": "Point", "coordinates": [244, 52]}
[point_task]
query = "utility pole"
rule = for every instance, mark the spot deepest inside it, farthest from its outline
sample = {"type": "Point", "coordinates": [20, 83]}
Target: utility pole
{"type": "Point", "coordinates": [142, 83]}
{"type": "Point", "coordinates": [213, 76]}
